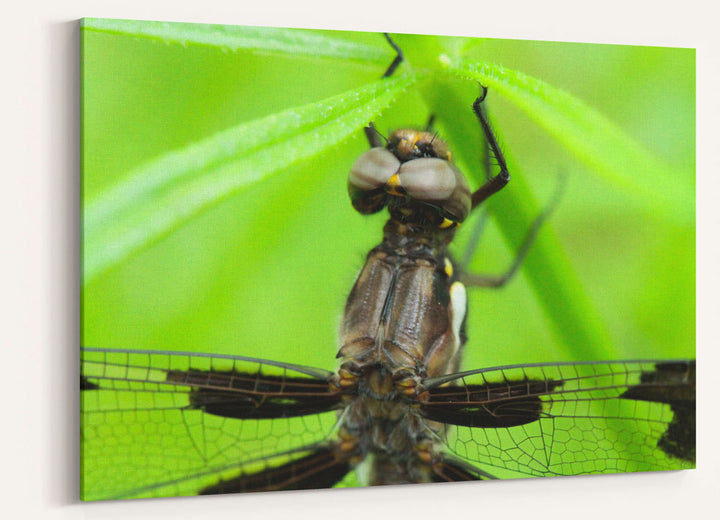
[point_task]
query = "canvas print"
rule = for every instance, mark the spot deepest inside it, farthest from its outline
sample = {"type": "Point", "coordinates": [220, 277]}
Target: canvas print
{"type": "Point", "coordinates": [316, 259]}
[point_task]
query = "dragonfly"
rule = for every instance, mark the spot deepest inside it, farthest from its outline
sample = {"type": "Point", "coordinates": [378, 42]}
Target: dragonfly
{"type": "Point", "coordinates": [398, 409]}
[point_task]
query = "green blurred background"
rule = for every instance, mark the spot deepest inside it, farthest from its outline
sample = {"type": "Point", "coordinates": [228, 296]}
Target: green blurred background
{"type": "Point", "coordinates": [265, 272]}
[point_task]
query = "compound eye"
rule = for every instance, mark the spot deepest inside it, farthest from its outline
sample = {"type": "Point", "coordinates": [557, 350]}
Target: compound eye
{"type": "Point", "coordinates": [373, 169]}
{"type": "Point", "coordinates": [368, 177]}
{"type": "Point", "coordinates": [439, 183]}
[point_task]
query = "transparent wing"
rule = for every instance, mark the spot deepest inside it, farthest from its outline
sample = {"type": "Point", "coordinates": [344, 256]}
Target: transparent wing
{"type": "Point", "coordinates": [569, 418]}
{"type": "Point", "coordinates": [172, 423]}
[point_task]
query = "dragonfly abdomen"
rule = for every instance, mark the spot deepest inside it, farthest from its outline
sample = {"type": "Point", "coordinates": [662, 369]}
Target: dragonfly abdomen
{"type": "Point", "coordinates": [385, 435]}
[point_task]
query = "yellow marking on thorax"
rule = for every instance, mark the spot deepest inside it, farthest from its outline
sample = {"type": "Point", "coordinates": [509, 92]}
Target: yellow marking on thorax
{"type": "Point", "coordinates": [448, 267]}
{"type": "Point", "coordinates": [447, 223]}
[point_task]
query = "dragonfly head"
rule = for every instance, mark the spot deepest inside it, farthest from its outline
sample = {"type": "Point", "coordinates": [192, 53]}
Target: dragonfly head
{"type": "Point", "coordinates": [413, 175]}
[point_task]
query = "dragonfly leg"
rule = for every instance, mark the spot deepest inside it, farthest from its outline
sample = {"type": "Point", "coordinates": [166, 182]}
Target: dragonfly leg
{"type": "Point", "coordinates": [373, 136]}
{"type": "Point", "coordinates": [499, 280]}
{"type": "Point", "coordinates": [493, 185]}
{"type": "Point", "coordinates": [399, 57]}
{"type": "Point", "coordinates": [499, 181]}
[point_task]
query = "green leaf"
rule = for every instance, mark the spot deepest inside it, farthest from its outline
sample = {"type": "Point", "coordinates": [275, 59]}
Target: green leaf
{"type": "Point", "coordinates": [162, 194]}
{"type": "Point", "coordinates": [649, 183]}
{"type": "Point", "coordinates": [261, 40]}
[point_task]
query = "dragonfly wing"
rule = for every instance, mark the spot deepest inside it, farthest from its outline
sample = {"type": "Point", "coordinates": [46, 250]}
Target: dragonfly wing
{"type": "Point", "coordinates": [569, 418]}
{"type": "Point", "coordinates": [451, 469]}
{"type": "Point", "coordinates": [321, 468]}
{"type": "Point", "coordinates": [674, 385]}
{"type": "Point", "coordinates": [172, 423]}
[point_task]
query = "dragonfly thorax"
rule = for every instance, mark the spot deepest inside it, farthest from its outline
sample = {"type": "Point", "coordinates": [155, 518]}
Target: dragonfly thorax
{"type": "Point", "coordinates": [405, 313]}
